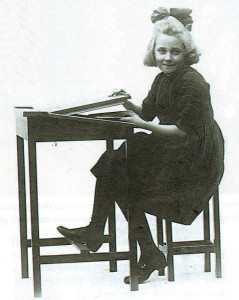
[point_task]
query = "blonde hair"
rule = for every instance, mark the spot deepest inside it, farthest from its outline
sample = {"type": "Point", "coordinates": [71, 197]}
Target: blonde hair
{"type": "Point", "coordinates": [171, 26]}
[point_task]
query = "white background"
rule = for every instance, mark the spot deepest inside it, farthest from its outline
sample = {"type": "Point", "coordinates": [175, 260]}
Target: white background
{"type": "Point", "coordinates": [66, 52]}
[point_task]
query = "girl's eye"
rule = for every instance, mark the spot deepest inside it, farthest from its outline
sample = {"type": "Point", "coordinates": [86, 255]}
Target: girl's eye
{"type": "Point", "coordinates": [162, 51]}
{"type": "Point", "coordinates": [176, 52]}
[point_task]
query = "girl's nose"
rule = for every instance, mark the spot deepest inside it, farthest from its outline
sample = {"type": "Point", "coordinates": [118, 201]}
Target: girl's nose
{"type": "Point", "coordinates": [168, 56]}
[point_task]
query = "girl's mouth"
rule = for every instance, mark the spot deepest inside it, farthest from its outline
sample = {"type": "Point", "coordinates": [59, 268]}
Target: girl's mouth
{"type": "Point", "coordinates": [169, 65]}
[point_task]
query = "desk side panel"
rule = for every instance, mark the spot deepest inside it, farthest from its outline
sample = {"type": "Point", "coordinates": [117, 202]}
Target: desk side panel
{"type": "Point", "coordinates": [21, 123]}
{"type": "Point", "coordinates": [48, 129]}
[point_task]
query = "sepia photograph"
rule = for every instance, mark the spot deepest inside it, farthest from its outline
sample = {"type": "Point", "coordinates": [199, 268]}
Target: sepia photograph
{"type": "Point", "coordinates": [119, 149]}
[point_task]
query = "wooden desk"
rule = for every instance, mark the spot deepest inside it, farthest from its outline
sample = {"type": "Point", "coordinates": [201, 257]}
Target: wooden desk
{"type": "Point", "coordinates": [35, 127]}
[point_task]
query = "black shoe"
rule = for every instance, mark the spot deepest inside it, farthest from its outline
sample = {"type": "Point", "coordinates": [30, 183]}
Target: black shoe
{"type": "Point", "coordinates": [83, 235]}
{"type": "Point", "coordinates": [147, 265]}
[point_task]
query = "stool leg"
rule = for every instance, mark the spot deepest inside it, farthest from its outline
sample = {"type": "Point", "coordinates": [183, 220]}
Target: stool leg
{"type": "Point", "coordinates": [170, 260]}
{"type": "Point", "coordinates": [206, 228]}
{"type": "Point", "coordinates": [217, 240]}
{"type": "Point", "coordinates": [159, 226]}
{"type": "Point", "coordinates": [112, 233]}
{"type": "Point", "coordinates": [22, 206]}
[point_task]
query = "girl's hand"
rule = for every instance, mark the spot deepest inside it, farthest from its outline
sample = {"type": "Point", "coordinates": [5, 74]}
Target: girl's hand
{"type": "Point", "coordinates": [129, 105]}
{"type": "Point", "coordinates": [134, 118]}
{"type": "Point", "coordinates": [117, 92]}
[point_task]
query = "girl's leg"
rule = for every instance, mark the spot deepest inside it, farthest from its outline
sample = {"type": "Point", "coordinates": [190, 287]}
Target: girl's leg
{"type": "Point", "coordinates": [151, 257]}
{"type": "Point", "coordinates": [92, 235]}
{"type": "Point", "coordinates": [139, 221]}
{"type": "Point", "coordinates": [101, 207]}
{"type": "Point", "coordinates": [117, 191]}
{"type": "Point", "coordinates": [142, 232]}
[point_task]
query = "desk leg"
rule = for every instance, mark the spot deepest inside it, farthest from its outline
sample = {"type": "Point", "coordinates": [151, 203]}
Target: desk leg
{"type": "Point", "coordinates": [132, 253]}
{"type": "Point", "coordinates": [132, 239]}
{"type": "Point", "coordinates": [160, 237]}
{"type": "Point", "coordinates": [170, 258]}
{"type": "Point", "coordinates": [111, 221]}
{"type": "Point", "coordinates": [34, 217]}
{"type": "Point", "coordinates": [112, 233]}
{"type": "Point", "coordinates": [22, 206]}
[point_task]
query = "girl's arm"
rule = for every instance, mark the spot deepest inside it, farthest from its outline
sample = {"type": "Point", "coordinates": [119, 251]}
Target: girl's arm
{"type": "Point", "coordinates": [129, 105]}
{"type": "Point", "coordinates": [167, 130]}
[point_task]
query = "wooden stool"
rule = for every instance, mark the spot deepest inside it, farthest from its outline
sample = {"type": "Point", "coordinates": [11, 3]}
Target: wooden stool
{"type": "Point", "coordinates": [205, 246]}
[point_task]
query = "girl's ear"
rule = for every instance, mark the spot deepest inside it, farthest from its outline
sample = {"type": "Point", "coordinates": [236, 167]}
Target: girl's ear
{"type": "Point", "coordinates": [189, 27]}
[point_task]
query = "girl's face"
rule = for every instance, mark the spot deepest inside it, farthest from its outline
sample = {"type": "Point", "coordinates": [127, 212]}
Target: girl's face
{"type": "Point", "coordinates": [169, 53]}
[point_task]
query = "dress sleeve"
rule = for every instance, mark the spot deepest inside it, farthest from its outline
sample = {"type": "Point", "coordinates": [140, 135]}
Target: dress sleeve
{"type": "Point", "coordinates": [149, 103]}
{"type": "Point", "coordinates": [194, 109]}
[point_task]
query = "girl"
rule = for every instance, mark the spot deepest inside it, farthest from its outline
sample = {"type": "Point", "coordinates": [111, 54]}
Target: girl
{"type": "Point", "coordinates": [172, 172]}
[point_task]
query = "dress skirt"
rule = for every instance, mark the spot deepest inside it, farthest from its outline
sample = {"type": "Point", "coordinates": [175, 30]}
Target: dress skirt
{"type": "Point", "coordinates": [161, 175]}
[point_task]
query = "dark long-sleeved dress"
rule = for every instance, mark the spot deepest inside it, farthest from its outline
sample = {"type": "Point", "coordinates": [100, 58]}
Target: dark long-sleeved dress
{"type": "Point", "coordinates": [171, 177]}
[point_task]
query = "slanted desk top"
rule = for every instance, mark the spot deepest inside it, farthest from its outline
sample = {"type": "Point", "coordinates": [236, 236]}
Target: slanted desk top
{"type": "Point", "coordinates": [64, 125]}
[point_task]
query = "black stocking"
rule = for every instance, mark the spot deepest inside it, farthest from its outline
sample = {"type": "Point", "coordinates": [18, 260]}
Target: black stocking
{"type": "Point", "coordinates": [101, 207]}
{"type": "Point", "coordinates": [104, 197]}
